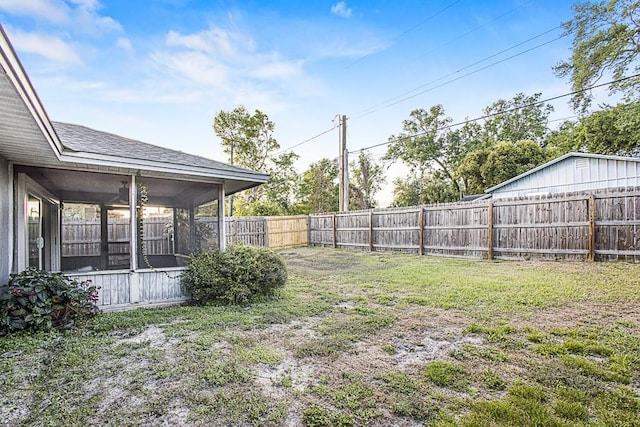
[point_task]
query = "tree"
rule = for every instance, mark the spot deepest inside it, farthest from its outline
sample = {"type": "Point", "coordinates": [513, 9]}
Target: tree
{"type": "Point", "coordinates": [247, 139]}
{"type": "Point", "coordinates": [470, 170]}
{"type": "Point", "coordinates": [613, 130]}
{"type": "Point", "coordinates": [249, 142]}
{"type": "Point", "coordinates": [319, 188]}
{"type": "Point", "coordinates": [490, 166]}
{"type": "Point", "coordinates": [606, 39]}
{"type": "Point", "coordinates": [366, 179]}
{"type": "Point", "coordinates": [521, 118]}
{"type": "Point", "coordinates": [427, 144]}
{"type": "Point", "coordinates": [422, 189]}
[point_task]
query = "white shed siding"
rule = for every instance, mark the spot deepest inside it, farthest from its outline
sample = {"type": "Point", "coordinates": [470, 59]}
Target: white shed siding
{"type": "Point", "coordinates": [574, 173]}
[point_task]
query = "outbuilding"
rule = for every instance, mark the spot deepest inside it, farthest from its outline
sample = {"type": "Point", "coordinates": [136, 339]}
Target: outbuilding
{"type": "Point", "coordinates": [573, 172]}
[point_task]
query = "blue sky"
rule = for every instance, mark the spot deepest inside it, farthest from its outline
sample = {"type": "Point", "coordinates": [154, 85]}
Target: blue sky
{"type": "Point", "coordinates": [160, 70]}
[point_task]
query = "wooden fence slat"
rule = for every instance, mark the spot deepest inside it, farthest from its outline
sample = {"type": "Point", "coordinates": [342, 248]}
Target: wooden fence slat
{"type": "Point", "coordinates": [421, 231]}
{"type": "Point", "coordinates": [592, 228]}
{"type": "Point", "coordinates": [490, 231]}
{"type": "Point", "coordinates": [371, 231]}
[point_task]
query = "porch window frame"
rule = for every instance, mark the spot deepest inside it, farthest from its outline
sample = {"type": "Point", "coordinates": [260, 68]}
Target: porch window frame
{"type": "Point", "coordinates": [25, 185]}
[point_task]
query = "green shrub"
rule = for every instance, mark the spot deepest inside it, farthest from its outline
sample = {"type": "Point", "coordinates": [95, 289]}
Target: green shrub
{"type": "Point", "coordinates": [235, 276]}
{"type": "Point", "coordinates": [38, 300]}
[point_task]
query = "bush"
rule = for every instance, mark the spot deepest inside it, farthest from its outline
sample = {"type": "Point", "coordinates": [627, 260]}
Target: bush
{"type": "Point", "coordinates": [235, 276]}
{"type": "Point", "coordinates": [38, 300]}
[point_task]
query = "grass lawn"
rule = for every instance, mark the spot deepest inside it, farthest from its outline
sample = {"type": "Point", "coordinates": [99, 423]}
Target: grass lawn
{"type": "Point", "coordinates": [355, 339]}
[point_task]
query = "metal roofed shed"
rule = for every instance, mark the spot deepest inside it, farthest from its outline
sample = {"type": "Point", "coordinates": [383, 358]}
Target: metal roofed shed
{"type": "Point", "coordinates": [573, 172]}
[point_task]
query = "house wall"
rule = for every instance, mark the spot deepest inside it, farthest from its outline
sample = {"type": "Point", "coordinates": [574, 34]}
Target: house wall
{"type": "Point", "coordinates": [6, 253]}
{"type": "Point", "coordinates": [575, 174]}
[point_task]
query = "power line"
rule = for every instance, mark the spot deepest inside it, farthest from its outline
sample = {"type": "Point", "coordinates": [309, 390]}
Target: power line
{"type": "Point", "coordinates": [561, 119]}
{"type": "Point", "coordinates": [404, 33]}
{"type": "Point", "coordinates": [374, 108]}
{"type": "Point", "coordinates": [448, 42]}
{"type": "Point", "coordinates": [399, 99]}
{"type": "Point", "coordinates": [553, 98]}
{"type": "Point", "coordinates": [307, 140]}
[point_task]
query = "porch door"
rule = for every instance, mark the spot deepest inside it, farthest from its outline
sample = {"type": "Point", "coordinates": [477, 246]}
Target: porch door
{"type": "Point", "coordinates": [35, 232]}
{"type": "Point", "coordinates": [118, 238]}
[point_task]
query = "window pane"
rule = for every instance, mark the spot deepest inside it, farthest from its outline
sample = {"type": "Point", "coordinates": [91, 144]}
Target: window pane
{"type": "Point", "coordinates": [34, 231]}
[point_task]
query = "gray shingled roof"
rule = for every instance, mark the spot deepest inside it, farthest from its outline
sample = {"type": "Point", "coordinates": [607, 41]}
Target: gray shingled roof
{"type": "Point", "coordinates": [86, 140]}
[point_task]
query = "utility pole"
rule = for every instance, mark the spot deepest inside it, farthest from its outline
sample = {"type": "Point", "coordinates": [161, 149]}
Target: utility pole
{"type": "Point", "coordinates": [231, 196]}
{"type": "Point", "coordinates": [343, 168]}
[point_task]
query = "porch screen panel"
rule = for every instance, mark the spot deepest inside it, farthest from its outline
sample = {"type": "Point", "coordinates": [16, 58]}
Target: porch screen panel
{"type": "Point", "coordinates": [80, 237]}
{"type": "Point", "coordinates": [182, 232]}
{"type": "Point", "coordinates": [206, 219]}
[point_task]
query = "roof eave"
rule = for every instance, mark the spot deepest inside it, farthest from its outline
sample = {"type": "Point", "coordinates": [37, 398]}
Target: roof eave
{"type": "Point", "coordinates": [22, 84]}
{"type": "Point", "coordinates": [154, 166]}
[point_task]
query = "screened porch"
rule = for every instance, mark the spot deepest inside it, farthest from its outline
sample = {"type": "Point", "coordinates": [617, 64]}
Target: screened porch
{"type": "Point", "coordinates": [83, 224]}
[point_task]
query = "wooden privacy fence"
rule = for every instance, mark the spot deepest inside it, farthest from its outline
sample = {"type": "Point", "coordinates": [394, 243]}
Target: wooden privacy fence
{"type": "Point", "coordinates": [248, 230]}
{"type": "Point", "coordinates": [603, 225]}
{"type": "Point", "coordinates": [288, 231]}
{"type": "Point", "coordinates": [81, 237]}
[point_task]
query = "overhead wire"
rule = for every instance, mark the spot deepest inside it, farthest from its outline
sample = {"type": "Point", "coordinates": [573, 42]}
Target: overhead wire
{"type": "Point", "coordinates": [284, 150]}
{"type": "Point", "coordinates": [404, 33]}
{"type": "Point", "coordinates": [396, 100]}
{"type": "Point", "coordinates": [387, 102]}
{"type": "Point", "coordinates": [461, 36]}
{"type": "Point", "coordinates": [487, 116]}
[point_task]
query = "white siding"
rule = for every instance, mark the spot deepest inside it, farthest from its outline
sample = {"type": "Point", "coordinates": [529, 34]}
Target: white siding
{"type": "Point", "coordinates": [154, 287]}
{"type": "Point", "coordinates": [574, 174]}
{"type": "Point", "coordinates": [6, 253]}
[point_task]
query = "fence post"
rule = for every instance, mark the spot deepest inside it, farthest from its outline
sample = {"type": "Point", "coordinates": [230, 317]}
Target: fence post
{"type": "Point", "coordinates": [592, 227]}
{"type": "Point", "coordinates": [266, 232]}
{"type": "Point", "coordinates": [309, 230]}
{"type": "Point", "coordinates": [421, 230]}
{"type": "Point", "coordinates": [490, 230]}
{"type": "Point", "coordinates": [370, 231]}
{"type": "Point", "coordinates": [335, 233]}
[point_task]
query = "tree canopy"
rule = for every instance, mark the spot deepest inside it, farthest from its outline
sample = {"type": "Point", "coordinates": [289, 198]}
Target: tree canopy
{"type": "Point", "coordinates": [612, 130]}
{"type": "Point", "coordinates": [426, 144]}
{"type": "Point", "coordinates": [319, 189]}
{"type": "Point", "coordinates": [365, 180]}
{"type": "Point", "coordinates": [521, 118]}
{"type": "Point", "coordinates": [447, 163]}
{"type": "Point", "coordinates": [248, 140]}
{"type": "Point", "coordinates": [606, 40]}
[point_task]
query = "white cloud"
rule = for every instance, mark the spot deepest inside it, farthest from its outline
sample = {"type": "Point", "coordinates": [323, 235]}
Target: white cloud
{"type": "Point", "coordinates": [124, 44]}
{"type": "Point", "coordinates": [278, 69]}
{"type": "Point", "coordinates": [75, 15]}
{"type": "Point", "coordinates": [47, 46]}
{"type": "Point", "coordinates": [87, 16]}
{"type": "Point", "coordinates": [196, 67]}
{"type": "Point", "coordinates": [341, 9]}
{"type": "Point", "coordinates": [55, 11]}
{"type": "Point", "coordinates": [214, 41]}
{"type": "Point", "coordinates": [214, 51]}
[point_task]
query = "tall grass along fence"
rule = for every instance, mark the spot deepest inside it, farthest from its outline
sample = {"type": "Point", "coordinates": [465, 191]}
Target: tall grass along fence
{"type": "Point", "coordinates": [603, 225]}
